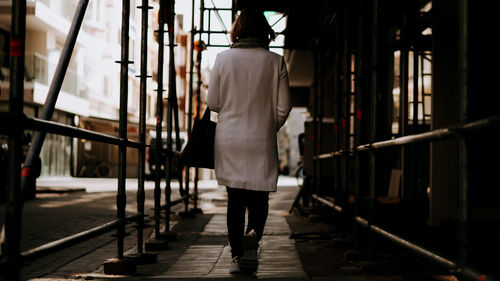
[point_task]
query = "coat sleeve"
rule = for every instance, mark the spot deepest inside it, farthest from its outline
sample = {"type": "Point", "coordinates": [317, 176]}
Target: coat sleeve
{"type": "Point", "coordinates": [284, 106]}
{"type": "Point", "coordinates": [213, 96]}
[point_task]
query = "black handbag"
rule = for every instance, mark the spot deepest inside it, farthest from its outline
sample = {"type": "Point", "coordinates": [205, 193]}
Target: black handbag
{"type": "Point", "coordinates": [199, 150]}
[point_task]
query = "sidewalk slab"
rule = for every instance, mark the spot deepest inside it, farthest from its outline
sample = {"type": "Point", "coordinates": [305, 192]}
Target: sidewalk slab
{"type": "Point", "coordinates": [201, 250]}
{"type": "Point", "coordinates": [277, 257]}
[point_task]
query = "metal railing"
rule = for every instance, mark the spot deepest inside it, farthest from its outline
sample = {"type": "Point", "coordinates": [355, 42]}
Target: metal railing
{"type": "Point", "coordinates": [458, 131]}
{"type": "Point", "coordinates": [349, 150]}
{"type": "Point", "coordinates": [14, 123]}
{"type": "Point", "coordinates": [39, 69]}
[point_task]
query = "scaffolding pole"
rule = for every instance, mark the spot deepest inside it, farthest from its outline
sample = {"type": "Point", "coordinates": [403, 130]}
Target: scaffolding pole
{"type": "Point", "coordinates": [170, 109]}
{"type": "Point", "coordinates": [13, 213]}
{"type": "Point", "coordinates": [463, 180]}
{"type": "Point", "coordinates": [190, 94]}
{"type": "Point", "coordinates": [159, 120]}
{"type": "Point", "coordinates": [28, 179]}
{"type": "Point", "coordinates": [142, 123]}
{"type": "Point", "coordinates": [197, 114]}
{"type": "Point", "coordinates": [122, 149]}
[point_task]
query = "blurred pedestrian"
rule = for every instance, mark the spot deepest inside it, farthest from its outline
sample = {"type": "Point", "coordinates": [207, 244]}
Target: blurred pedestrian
{"type": "Point", "coordinates": [249, 90]}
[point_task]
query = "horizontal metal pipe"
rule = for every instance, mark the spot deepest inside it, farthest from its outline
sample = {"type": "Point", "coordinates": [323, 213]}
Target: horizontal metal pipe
{"type": "Point", "coordinates": [218, 9]}
{"type": "Point", "coordinates": [227, 45]}
{"type": "Point", "coordinates": [434, 135]}
{"type": "Point", "coordinates": [327, 203]}
{"type": "Point", "coordinates": [329, 155]}
{"type": "Point", "coordinates": [70, 131]}
{"type": "Point", "coordinates": [415, 248]}
{"type": "Point", "coordinates": [216, 32]}
{"type": "Point", "coordinates": [74, 239]}
{"type": "Point", "coordinates": [468, 273]}
{"type": "Point", "coordinates": [63, 129]}
{"type": "Point", "coordinates": [55, 85]}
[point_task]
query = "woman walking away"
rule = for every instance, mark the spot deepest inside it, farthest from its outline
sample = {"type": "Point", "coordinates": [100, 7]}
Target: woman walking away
{"type": "Point", "coordinates": [249, 90]}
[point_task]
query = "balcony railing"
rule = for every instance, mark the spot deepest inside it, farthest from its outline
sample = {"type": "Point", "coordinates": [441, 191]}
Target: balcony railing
{"type": "Point", "coordinates": [39, 69]}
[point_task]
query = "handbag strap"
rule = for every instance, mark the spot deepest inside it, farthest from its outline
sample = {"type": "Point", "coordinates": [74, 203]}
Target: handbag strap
{"type": "Point", "coordinates": [206, 115]}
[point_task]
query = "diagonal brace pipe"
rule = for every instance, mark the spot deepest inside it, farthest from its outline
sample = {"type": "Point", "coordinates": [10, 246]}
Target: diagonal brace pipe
{"type": "Point", "coordinates": [52, 95]}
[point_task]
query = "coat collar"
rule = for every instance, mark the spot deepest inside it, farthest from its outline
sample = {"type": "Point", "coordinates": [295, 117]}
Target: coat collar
{"type": "Point", "coordinates": [249, 42]}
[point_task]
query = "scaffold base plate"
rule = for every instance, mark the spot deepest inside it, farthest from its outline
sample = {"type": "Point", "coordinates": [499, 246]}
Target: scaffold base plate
{"type": "Point", "coordinates": [197, 211]}
{"type": "Point", "coordinates": [156, 245]}
{"type": "Point", "coordinates": [168, 235]}
{"type": "Point", "coordinates": [187, 214]}
{"type": "Point", "coordinates": [143, 258]}
{"type": "Point", "coordinates": [117, 266]}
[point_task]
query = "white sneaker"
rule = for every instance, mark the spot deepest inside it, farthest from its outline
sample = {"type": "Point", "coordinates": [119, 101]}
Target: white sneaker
{"type": "Point", "coordinates": [249, 261]}
{"type": "Point", "coordinates": [249, 241]}
{"type": "Point", "coordinates": [235, 266]}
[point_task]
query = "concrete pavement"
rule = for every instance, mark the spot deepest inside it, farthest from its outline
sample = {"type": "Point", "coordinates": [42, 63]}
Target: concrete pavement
{"type": "Point", "coordinates": [318, 250]}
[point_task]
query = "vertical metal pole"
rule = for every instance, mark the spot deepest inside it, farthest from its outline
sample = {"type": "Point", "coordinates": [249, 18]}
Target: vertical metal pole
{"type": "Point", "coordinates": [415, 87]}
{"type": "Point", "coordinates": [421, 79]}
{"type": "Point", "coordinates": [13, 214]}
{"type": "Point", "coordinates": [315, 140]}
{"type": "Point", "coordinates": [173, 109]}
{"type": "Point", "coordinates": [403, 98]}
{"type": "Point", "coordinates": [373, 112]}
{"type": "Point", "coordinates": [463, 181]}
{"type": "Point", "coordinates": [234, 10]}
{"type": "Point", "coordinates": [171, 97]}
{"type": "Point", "coordinates": [413, 150]}
{"type": "Point", "coordinates": [373, 122]}
{"type": "Point", "coordinates": [359, 92]}
{"type": "Point", "coordinates": [175, 105]}
{"type": "Point", "coordinates": [320, 113]}
{"type": "Point", "coordinates": [142, 124]}
{"type": "Point", "coordinates": [198, 91]}
{"type": "Point", "coordinates": [190, 98]}
{"type": "Point", "coordinates": [338, 116]}
{"type": "Point", "coordinates": [159, 119]}
{"type": "Point", "coordinates": [122, 149]}
{"type": "Point", "coordinates": [209, 22]}
{"type": "Point", "coordinates": [346, 96]}
{"type": "Point", "coordinates": [28, 179]}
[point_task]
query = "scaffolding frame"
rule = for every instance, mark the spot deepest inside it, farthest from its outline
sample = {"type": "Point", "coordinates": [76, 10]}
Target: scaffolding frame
{"type": "Point", "coordinates": [19, 183]}
{"type": "Point", "coordinates": [344, 116]}
{"type": "Point", "coordinates": [17, 122]}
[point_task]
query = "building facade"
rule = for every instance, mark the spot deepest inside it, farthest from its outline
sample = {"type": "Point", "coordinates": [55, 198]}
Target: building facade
{"type": "Point", "coordinates": [89, 97]}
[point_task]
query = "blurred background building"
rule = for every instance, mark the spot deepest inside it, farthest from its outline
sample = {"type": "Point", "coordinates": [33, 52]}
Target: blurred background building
{"type": "Point", "coordinates": [89, 97]}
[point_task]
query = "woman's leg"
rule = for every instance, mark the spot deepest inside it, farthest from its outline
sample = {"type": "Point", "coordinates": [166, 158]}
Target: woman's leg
{"type": "Point", "coordinates": [258, 208]}
{"type": "Point", "coordinates": [236, 208]}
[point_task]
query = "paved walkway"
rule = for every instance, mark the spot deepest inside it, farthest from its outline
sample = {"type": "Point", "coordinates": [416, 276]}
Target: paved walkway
{"type": "Point", "coordinates": [201, 250]}
{"type": "Point", "coordinates": [316, 248]}
{"type": "Point", "coordinates": [277, 255]}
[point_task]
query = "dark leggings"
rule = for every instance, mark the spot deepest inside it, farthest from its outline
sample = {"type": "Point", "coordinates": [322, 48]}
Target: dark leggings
{"type": "Point", "coordinates": [238, 201]}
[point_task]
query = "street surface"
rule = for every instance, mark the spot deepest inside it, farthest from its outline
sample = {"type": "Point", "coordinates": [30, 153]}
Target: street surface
{"type": "Point", "coordinates": [293, 248]}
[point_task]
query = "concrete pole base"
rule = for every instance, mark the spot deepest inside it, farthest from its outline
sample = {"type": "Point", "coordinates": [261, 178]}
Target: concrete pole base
{"type": "Point", "coordinates": [156, 245]}
{"type": "Point", "coordinates": [143, 258]}
{"type": "Point", "coordinates": [168, 235]}
{"type": "Point", "coordinates": [188, 214]}
{"type": "Point", "coordinates": [197, 211]}
{"type": "Point", "coordinates": [117, 266]}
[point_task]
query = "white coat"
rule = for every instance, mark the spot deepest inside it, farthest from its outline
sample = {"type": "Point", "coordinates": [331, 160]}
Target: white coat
{"type": "Point", "coordinates": [249, 89]}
